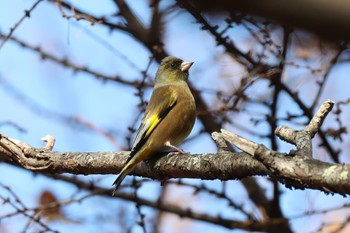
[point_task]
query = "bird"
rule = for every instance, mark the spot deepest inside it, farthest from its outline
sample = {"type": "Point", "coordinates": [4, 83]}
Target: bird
{"type": "Point", "coordinates": [169, 116]}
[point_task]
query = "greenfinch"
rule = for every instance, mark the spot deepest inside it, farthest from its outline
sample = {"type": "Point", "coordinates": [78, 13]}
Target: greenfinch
{"type": "Point", "coordinates": [169, 116]}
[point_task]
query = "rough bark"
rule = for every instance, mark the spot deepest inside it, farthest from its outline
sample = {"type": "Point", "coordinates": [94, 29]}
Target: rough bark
{"type": "Point", "coordinates": [297, 169]}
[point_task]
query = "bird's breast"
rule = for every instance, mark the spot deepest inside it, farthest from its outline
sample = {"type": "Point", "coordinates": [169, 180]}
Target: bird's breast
{"type": "Point", "coordinates": [178, 123]}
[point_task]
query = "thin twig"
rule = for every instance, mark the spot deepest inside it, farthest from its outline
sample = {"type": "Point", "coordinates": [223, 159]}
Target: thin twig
{"type": "Point", "coordinates": [27, 14]}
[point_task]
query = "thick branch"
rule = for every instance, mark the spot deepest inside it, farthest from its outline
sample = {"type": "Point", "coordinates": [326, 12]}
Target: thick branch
{"type": "Point", "coordinates": [224, 166]}
{"type": "Point", "coordinates": [298, 171]}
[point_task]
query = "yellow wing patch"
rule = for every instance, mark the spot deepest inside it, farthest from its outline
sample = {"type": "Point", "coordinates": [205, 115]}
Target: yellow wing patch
{"type": "Point", "coordinates": [158, 110]}
{"type": "Point", "coordinates": [155, 118]}
{"type": "Point", "coordinates": [153, 122]}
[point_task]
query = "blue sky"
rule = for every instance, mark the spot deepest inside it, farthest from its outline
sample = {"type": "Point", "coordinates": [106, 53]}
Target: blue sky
{"type": "Point", "coordinates": [42, 97]}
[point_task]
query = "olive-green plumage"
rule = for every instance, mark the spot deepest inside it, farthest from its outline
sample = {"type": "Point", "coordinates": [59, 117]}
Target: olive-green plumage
{"type": "Point", "coordinates": [169, 116]}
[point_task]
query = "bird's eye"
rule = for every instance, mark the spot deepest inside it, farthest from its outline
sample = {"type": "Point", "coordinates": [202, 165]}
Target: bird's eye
{"type": "Point", "coordinates": [173, 65]}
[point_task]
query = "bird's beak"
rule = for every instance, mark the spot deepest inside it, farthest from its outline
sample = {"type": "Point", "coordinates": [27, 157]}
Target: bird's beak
{"type": "Point", "coordinates": [186, 65]}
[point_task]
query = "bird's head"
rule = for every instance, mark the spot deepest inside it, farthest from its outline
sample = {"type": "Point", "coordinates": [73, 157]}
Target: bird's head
{"type": "Point", "coordinates": [172, 70]}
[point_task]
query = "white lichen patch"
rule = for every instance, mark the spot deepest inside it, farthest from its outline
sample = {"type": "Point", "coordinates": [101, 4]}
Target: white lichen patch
{"type": "Point", "coordinates": [344, 175]}
{"type": "Point", "coordinates": [328, 172]}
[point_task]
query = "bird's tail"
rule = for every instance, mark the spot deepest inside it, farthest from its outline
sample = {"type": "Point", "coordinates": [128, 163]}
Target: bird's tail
{"type": "Point", "coordinates": [134, 159]}
{"type": "Point", "coordinates": [126, 170]}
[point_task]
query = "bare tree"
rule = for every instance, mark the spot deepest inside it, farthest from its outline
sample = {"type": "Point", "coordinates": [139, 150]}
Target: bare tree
{"type": "Point", "coordinates": [270, 97]}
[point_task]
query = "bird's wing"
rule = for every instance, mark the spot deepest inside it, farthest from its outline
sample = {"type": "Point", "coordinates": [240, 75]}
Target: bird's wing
{"type": "Point", "coordinates": [161, 103]}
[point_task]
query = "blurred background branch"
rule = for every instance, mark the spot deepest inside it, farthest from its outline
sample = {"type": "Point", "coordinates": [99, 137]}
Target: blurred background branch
{"type": "Point", "coordinates": [83, 71]}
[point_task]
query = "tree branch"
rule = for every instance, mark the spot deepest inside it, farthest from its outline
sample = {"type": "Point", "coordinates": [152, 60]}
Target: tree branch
{"type": "Point", "coordinates": [230, 223]}
{"type": "Point", "coordinates": [298, 13]}
{"type": "Point", "coordinates": [224, 165]}
{"type": "Point", "coordinates": [296, 169]}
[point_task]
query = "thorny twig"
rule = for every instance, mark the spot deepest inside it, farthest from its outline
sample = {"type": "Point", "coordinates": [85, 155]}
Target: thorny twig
{"type": "Point", "coordinates": [26, 15]}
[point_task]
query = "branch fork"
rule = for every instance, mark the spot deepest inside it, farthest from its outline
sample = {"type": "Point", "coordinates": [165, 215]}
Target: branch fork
{"type": "Point", "coordinates": [298, 169]}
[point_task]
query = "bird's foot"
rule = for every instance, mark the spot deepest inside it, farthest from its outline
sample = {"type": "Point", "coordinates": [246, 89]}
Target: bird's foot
{"type": "Point", "coordinates": [178, 150]}
{"type": "Point", "coordinates": [177, 153]}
